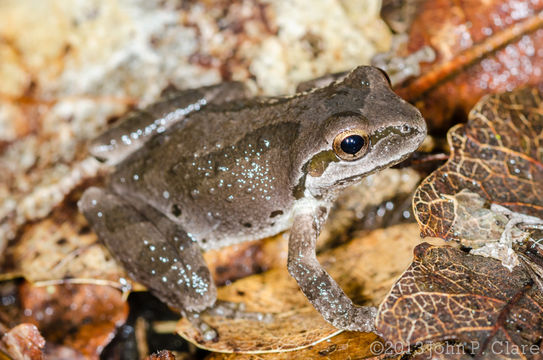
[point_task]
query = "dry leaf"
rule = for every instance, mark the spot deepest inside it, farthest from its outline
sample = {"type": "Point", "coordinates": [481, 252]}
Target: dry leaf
{"type": "Point", "coordinates": [244, 259]}
{"type": "Point", "coordinates": [365, 268]}
{"type": "Point", "coordinates": [294, 324]}
{"type": "Point", "coordinates": [399, 14]}
{"type": "Point", "coordinates": [23, 342]}
{"type": "Point", "coordinates": [447, 294]}
{"type": "Point", "coordinates": [498, 154]}
{"type": "Point", "coordinates": [481, 46]}
{"type": "Point", "coordinates": [347, 345]}
{"type": "Point", "coordinates": [161, 355]}
{"type": "Point", "coordinates": [61, 247]}
{"type": "Point", "coordinates": [474, 301]}
{"type": "Point", "coordinates": [82, 317]}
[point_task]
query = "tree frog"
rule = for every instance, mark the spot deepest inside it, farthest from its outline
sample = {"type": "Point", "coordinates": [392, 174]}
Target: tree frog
{"type": "Point", "coordinates": [214, 168]}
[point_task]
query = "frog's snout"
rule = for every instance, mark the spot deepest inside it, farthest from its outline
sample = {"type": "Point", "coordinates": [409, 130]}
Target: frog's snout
{"type": "Point", "coordinates": [416, 128]}
{"type": "Point", "coordinates": [421, 126]}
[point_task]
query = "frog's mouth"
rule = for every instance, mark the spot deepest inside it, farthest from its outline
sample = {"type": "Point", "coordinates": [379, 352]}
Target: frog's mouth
{"type": "Point", "coordinates": [355, 178]}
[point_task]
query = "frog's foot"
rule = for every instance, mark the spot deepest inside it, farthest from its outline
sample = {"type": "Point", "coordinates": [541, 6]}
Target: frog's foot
{"type": "Point", "coordinates": [208, 332]}
{"type": "Point", "coordinates": [225, 309]}
{"type": "Point", "coordinates": [232, 310]}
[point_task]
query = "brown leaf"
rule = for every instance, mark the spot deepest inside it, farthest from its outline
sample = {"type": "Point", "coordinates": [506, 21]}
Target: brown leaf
{"type": "Point", "coordinates": [295, 324]}
{"type": "Point", "coordinates": [83, 317]}
{"type": "Point", "coordinates": [60, 247]}
{"type": "Point", "coordinates": [161, 355]}
{"type": "Point", "coordinates": [244, 259]}
{"type": "Point", "coordinates": [482, 47]}
{"type": "Point", "coordinates": [497, 154]}
{"type": "Point", "coordinates": [347, 345]}
{"type": "Point", "coordinates": [449, 295]}
{"type": "Point", "coordinates": [365, 268]}
{"type": "Point", "coordinates": [23, 342]}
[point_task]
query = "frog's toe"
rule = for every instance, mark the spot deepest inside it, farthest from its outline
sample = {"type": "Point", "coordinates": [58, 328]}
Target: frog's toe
{"type": "Point", "coordinates": [208, 332]}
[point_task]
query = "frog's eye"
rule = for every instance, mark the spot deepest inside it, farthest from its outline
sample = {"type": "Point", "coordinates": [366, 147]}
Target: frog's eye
{"type": "Point", "coordinates": [351, 144]}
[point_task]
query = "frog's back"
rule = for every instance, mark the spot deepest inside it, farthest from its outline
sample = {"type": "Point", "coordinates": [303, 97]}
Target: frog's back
{"type": "Point", "coordinates": [224, 175]}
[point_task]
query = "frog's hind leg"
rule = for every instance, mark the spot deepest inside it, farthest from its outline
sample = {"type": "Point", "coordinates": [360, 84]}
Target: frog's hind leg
{"type": "Point", "coordinates": [154, 250]}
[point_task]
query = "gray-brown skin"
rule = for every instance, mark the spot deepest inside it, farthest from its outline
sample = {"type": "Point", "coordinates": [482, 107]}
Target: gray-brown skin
{"type": "Point", "coordinates": [136, 128]}
{"type": "Point", "coordinates": [245, 170]}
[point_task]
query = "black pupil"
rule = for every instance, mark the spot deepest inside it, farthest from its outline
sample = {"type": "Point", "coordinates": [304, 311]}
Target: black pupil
{"type": "Point", "coordinates": [352, 144]}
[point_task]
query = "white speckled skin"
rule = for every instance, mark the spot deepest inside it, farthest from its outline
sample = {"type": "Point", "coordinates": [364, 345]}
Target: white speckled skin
{"type": "Point", "coordinates": [245, 170]}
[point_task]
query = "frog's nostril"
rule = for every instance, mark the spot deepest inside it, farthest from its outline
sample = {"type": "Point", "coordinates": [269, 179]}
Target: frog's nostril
{"type": "Point", "coordinates": [176, 210]}
{"type": "Point", "coordinates": [405, 129]}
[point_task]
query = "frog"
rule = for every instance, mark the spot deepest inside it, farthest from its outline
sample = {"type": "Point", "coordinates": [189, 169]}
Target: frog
{"type": "Point", "coordinates": [213, 168]}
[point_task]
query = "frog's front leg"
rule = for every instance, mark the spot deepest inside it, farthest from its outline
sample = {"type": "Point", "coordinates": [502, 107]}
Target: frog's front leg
{"type": "Point", "coordinates": [154, 250]}
{"type": "Point", "coordinates": [317, 285]}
